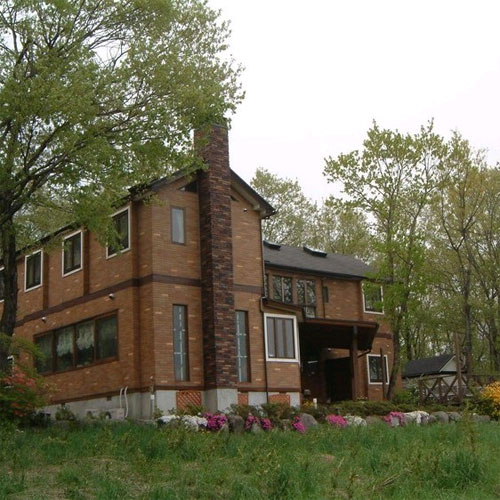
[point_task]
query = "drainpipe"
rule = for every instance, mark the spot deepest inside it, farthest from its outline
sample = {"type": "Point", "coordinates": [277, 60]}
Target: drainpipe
{"type": "Point", "coordinates": [262, 312]}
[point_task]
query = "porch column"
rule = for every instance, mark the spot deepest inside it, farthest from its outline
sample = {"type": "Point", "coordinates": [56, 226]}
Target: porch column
{"type": "Point", "coordinates": [354, 362]}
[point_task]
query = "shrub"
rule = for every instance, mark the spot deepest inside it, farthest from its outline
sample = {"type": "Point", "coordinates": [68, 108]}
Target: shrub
{"type": "Point", "coordinates": [489, 400]}
{"type": "Point", "coordinates": [336, 421]}
{"type": "Point", "coordinates": [278, 411]}
{"type": "Point", "coordinates": [244, 411]}
{"type": "Point", "coordinates": [21, 394]}
{"type": "Point", "coordinates": [64, 413]}
{"type": "Point", "coordinates": [298, 426]}
{"type": "Point", "coordinates": [406, 397]}
{"type": "Point", "coordinates": [215, 422]}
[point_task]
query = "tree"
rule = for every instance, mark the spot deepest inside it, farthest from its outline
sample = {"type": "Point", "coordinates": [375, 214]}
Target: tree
{"type": "Point", "coordinates": [97, 96]}
{"type": "Point", "coordinates": [393, 180]}
{"type": "Point", "coordinates": [295, 212]}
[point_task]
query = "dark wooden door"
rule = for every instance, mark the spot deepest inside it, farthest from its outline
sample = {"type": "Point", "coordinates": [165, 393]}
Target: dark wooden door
{"type": "Point", "coordinates": [338, 379]}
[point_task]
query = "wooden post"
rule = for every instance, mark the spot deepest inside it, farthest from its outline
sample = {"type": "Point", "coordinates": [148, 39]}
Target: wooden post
{"type": "Point", "coordinates": [459, 368]}
{"type": "Point", "coordinates": [354, 363]}
{"type": "Point", "coordinates": [382, 361]}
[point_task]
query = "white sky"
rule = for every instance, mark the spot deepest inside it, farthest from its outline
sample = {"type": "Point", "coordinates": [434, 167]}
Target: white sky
{"type": "Point", "coordinates": [318, 72]}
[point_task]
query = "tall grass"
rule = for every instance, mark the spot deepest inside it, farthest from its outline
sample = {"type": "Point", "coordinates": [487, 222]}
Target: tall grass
{"type": "Point", "coordinates": [127, 461]}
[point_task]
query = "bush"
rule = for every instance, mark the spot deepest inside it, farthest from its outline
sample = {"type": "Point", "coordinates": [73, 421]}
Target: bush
{"type": "Point", "coordinates": [21, 394]}
{"type": "Point", "coordinates": [489, 400]}
{"type": "Point", "coordinates": [278, 411]}
{"type": "Point", "coordinates": [244, 411]}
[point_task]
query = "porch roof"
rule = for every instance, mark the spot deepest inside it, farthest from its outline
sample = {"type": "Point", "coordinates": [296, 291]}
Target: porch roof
{"type": "Point", "coordinates": [338, 333]}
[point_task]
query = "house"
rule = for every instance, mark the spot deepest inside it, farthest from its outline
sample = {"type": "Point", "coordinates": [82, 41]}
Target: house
{"type": "Point", "coordinates": [179, 313]}
{"type": "Point", "coordinates": [444, 364]}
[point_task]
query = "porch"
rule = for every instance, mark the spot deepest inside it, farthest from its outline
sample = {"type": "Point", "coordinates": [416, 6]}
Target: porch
{"type": "Point", "coordinates": [331, 351]}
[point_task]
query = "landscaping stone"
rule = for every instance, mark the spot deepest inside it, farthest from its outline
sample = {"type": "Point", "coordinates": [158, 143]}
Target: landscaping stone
{"type": "Point", "coordinates": [372, 420]}
{"type": "Point", "coordinates": [236, 424]}
{"type": "Point", "coordinates": [454, 416]}
{"type": "Point", "coordinates": [308, 421]}
{"type": "Point", "coordinates": [417, 417]}
{"type": "Point", "coordinates": [441, 417]}
{"type": "Point", "coordinates": [256, 428]}
{"type": "Point", "coordinates": [191, 422]}
{"type": "Point", "coordinates": [432, 419]}
{"type": "Point", "coordinates": [480, 418]}
{"type": "Point", "coordinates": [354, 421]}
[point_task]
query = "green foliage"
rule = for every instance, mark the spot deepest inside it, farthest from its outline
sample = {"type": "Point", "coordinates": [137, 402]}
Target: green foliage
{"type": "Point", "coordinates": [64, 413]}
{"type": "Point", "coordinates": [245, 410]}
{"type": "Point", "coordinates": [189, 409]}
{"type": "Point", "coordinates": [278, 411]}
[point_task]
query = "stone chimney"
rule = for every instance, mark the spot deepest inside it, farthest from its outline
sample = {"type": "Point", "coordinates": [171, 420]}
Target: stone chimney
{"type": "Point", "coordinates": [216, 247]}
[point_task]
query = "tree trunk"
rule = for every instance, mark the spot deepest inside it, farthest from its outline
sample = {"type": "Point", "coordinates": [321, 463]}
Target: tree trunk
{"type": "Point", "coordinates": [468, 322]}
{"type": "Point", "coordinates": [395, 366]}
{"type": "Point", "coordinates": [8, 319]}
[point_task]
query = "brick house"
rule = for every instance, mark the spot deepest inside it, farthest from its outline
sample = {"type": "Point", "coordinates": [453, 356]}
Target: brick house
{"type": "Point", "coordinates": [180, 312]}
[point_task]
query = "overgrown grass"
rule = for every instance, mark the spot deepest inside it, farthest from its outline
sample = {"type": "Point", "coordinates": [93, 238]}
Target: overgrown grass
{"type": "Point", "coordinates": [128, 461]}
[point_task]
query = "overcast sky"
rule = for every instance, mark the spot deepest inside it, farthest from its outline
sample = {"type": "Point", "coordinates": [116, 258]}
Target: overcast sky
{"type": "Point", "coordinates": [318, 72]}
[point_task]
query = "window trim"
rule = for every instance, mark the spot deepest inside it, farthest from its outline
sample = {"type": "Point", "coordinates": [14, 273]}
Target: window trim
{"type": "Point", "coordinates": [81, 253]}
{"type": "Point", "coordinates": [124, 250]}
{"type": "Point", "coordinates": [2, 299]}
{"type": "Point", "coordinates": [282, 278]}
{"type": "Point", "coordinates": [295, 338]}
{"type": "Point", "coordinates": [186, 318]}
{"type": "Point", "coordinates": [97, 362]}
{"type": "Point", "coordinates": [364, 303]}
{"type": "Point", "coordinates": [26, 289]}
{"type": "Point", "coordinates": [386, 359]}
{"type": "Point", "coordinates": [183, 209]}
{"type": "Point", "coordinates": [247, 327]}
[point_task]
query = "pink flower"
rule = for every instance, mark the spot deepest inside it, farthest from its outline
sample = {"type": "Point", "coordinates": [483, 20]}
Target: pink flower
{"type": "Point", "coordinates": [336, 421]}
{"type": "Point", "coordinates": [298, 425]}
{"type": "Point", "coordinates": [215, 422]}
{"type": "Point", "coordinates": [266, 424]}
{"type": "Point", "coordinates": [395, 414]}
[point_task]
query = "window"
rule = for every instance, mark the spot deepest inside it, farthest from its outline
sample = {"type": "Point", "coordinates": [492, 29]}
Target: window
{"type": "Point", "coordinates": [242, 346]}
{"type": "Point", "coordinates": [281, 341]}
{"type": "Point", "coordinates": [33, 270]}
{"type": "Point", "coordinates": [373, 298]}
{"type": "Point", "coordinates": [72, 253]}
{"type": "Point", "coordinates": [121, 226]}
{"type": "Point", "coordinates": [181, 366]}
{"type": "Point", "coordinates": [282, 289]}
{"type": "Point", "coordinates": [78, 345]}
{"type": "Point", "coordinates": [177, 220]}
{"type": "Point", "coordinates": [326, 294]}
{"type": "Point", "coordinates": [2, 285]}
{"type": "Point", "coordinates": [306, 297]}
{"type": "Point", "coordinates": [375, 375]}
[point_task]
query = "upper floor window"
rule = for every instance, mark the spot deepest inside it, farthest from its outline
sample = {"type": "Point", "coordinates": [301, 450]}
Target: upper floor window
{"type": "Point", "coordinates": [33, 270]}
{"type": "Point", "coordinates": [72, 253]}
{"type": "Point", "coordinates": [242, 346]}
{"type": "Point", "coordinates": [376, 371]}
{"type": "Point", "coordinates": [306, 297]}
{"type": "Point", "coordinates": [121, 224]}
{"type": "Point", "coordinates": [281, 338]}
{"type": "Point", "coordinates": [282, 289]}
{"type": "Point", "coordinates": [181, 366]}
{"type": "Point", "coordinates": [78, 345]}
{"type": "Point", "coordinates": [177, 221]}
{"type": "Point", "coordinates": [2, 285]}
{"type": "Point", "coordinates": [373, 298]}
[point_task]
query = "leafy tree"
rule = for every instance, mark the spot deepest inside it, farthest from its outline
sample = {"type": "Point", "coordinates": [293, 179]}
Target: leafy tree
{"type": "Point", "coordinates": [295, 212]}
{"type": "Point", "coordinates": [99, 95]}
{"type": "Point", "coordinates": [393, 180]}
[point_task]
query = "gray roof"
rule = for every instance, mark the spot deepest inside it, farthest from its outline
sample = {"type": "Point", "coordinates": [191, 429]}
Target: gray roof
{"type": "Point", "coordinates": [426, 366]}
{"type": "Point", "coordinates": [306, 259]}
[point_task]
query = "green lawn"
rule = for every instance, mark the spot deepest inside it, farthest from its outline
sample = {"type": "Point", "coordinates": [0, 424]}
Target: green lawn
{"type": "Point", "coordinates": [122, 461]}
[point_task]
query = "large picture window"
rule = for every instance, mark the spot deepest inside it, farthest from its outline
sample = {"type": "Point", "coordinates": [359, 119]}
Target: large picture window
{"type": "Point", "coordinates": [376, 371]}
{"type": "Point", "coordinates": [373, 298]}
{"type": "Point", "coordinates": [282, 289]}
{"type": "Point", "coordinates": [77, 345]}
{"type": "Point", "coordinates": [281, 341]}
{"type": "Point", "coordinates": [121, 226]}
{"type": "Point", "coordinates": [33, 270]}
{"type": "Point", "coordinates": [181, 361]}
{"type": "Point", "coordinates": [242, 346]}
{"type": "Point", "coordinates": [72, 253]}
{"type": "Point", "coordinates": [306, 297]}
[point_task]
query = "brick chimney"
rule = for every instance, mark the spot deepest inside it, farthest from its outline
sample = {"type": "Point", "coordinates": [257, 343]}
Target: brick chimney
{"type": "Point", "coordinates": [219, 329]}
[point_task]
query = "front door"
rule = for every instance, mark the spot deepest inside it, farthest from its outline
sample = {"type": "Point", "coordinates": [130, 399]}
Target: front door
{"type": "Point", "coordinates": [338, 378]}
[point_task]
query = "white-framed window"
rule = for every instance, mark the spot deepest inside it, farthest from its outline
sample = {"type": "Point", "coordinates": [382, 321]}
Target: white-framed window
{"type": "Point", "coordinates": [178, 225]}
{"type": "Point", "coordinates": [72, 253]}
{"type": "Point", "coordinates": [373, 298]}
{"type": "Point", "coordinates": [121, 221]}
{"type": "Point", "coordinates": [281, 337]}
{"type": "Point", "coordinates": [375, 372]}
{"type": "Point", "coordinates": [2, 284]}
{"type": "Point", "coordinates": [33, 270]}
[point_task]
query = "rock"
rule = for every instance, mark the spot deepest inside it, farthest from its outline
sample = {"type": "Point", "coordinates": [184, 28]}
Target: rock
{"type": "Point", "coordinates": [417, 417]}
{"type": "Point", "coordinates": [354, 421]}
{"type": "Point", "coordinates": [393, 421]}
{"type": "Point", "coordinates": [236, 424]}
{"type": "Point", "coordinates": [454, 416]}
{"type": "Point", "coordinates": [256, 428]}
{"type": "Point", "coordinates": [441, 417]}
{"type": "Point", "coordinates": [480, 418]}
{"type": "Point", "coordinates": [286, 424]}
{"type": "Point", "coordinates": [372, 420]}
{"type": "Point", "coordinates": [308, 421]}
{"type": "Point", "coordinates": [224, 428]}
{"type": "Point", "coordinates": [191, 422]}
{"type": "Point", "coordinates": [431, 419]}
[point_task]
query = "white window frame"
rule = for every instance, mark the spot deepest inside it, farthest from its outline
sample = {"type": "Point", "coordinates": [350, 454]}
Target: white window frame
{"type": "Point", "coordinates": [124, 250]}
{"type": "Point", "coordinates": [381, 296]}
{"type": "Point", "coordinates": [26, 289]}
{"type": "Point", "coordinates": [295, 338]}
{"type": "Point", "coordinates": [1, 269]}
{"type": "Point", "coordinates": [81, 253]}
{"type": "Point", "coordinates": [386, 359]}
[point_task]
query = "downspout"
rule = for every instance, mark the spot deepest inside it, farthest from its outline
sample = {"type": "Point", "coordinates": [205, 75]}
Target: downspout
{"type": "Point", "coordinates": [261, 304]}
